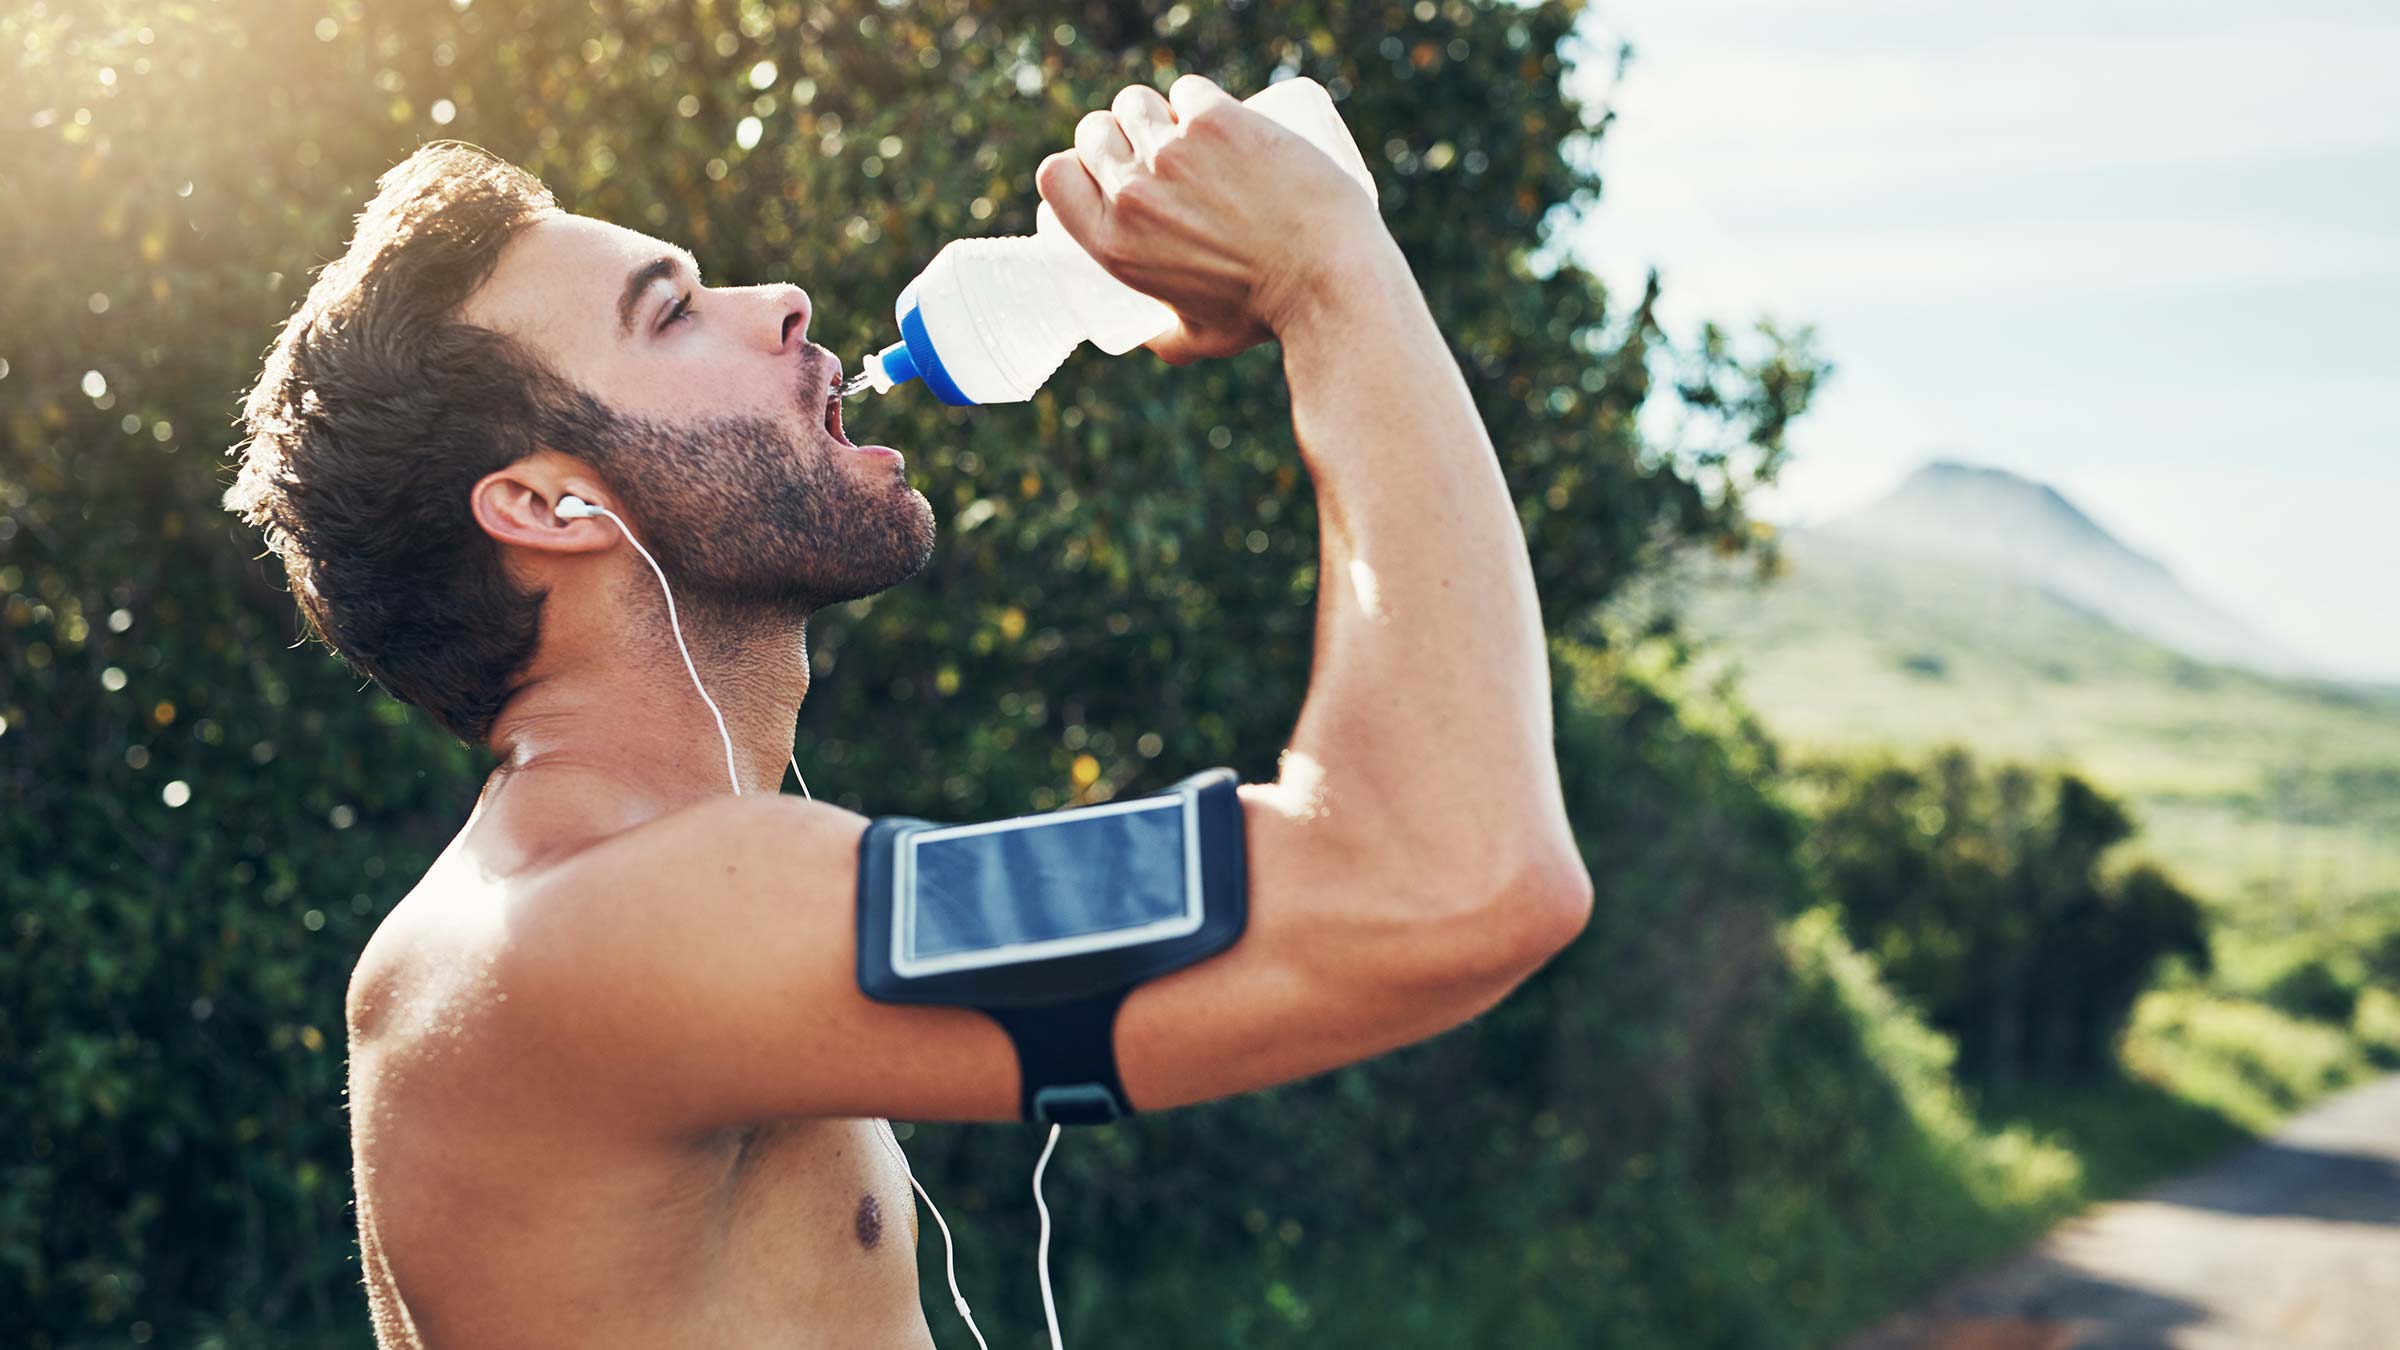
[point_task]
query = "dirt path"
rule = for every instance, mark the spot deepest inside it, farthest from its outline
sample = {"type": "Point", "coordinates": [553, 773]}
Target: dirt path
{"type": "Point", "coordinates": [2292, 1244]}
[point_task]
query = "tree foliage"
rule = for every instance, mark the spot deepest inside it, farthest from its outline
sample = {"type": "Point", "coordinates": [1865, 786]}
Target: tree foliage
{"type": "Point", "coordinates": [1981, 893]}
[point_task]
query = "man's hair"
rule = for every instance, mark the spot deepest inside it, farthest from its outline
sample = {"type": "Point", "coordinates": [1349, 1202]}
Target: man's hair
{"type": "Point", "coordinates": [377, 411]}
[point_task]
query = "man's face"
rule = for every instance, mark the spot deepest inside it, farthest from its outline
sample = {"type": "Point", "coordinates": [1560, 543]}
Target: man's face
{"type": "Point", "coordinates": [713, 418]}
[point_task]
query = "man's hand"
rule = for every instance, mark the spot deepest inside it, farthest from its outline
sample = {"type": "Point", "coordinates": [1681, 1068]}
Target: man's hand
{"type": "Point", "coordinates": [1238, 225]}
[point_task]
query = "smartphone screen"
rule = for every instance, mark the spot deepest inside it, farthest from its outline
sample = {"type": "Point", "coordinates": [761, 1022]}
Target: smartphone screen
{"type": "Point", "coordinates": [1080, 881]}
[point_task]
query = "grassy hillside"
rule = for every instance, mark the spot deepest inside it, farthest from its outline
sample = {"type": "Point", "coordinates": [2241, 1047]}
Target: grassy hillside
{"type": "Point", "coordinates": [2278, 799]}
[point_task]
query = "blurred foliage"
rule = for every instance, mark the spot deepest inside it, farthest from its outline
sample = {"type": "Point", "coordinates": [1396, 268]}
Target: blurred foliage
{"type": "Point", "coordinates": [2381, 961]}
{"type": "Point", "coordinates": [1982, 896]}
{"type": "Point", "coordinates": [2314, 990]}
{"type": "Point", "coordinates": [2247, 1060]}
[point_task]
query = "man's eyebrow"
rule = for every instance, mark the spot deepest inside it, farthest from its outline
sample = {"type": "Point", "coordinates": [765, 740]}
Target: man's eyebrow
{"type": "Point", "coordinates": [657, 269]}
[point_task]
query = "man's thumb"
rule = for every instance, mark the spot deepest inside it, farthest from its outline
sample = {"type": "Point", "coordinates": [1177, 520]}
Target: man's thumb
{"type": "Point", "coordinates": [1184, 343]}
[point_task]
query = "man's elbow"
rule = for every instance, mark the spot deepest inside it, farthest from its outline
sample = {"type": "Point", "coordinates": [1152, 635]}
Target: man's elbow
{"type": "Point", "coordinates": [1545, 906]}
{"type": "Point", "coordinates": [1521, 916]}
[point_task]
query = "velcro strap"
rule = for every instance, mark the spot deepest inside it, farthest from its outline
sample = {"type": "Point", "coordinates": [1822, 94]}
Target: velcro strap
{"type": "Point", "coordinates": [1067, 1059]}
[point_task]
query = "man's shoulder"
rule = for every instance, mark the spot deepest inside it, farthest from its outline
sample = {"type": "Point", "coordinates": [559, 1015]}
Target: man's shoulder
{"type": "Point", "coordinates": [586, 908]}
{"type": "Point", "coordinates": [683, 863]}
{"type": "Point", "coordinates": [598, 975]}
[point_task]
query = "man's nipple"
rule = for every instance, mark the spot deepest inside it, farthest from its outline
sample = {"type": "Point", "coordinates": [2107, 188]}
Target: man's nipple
{"type": "Point", "coordinates": [869, 1223]}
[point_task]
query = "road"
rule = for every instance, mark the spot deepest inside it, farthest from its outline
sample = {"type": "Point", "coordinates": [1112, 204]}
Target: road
{"type": "Point", "coordinates": [2291, 1244]}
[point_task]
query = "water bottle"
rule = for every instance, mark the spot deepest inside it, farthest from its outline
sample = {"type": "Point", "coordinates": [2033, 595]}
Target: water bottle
{"type": "Point", "coordinates": [991, 319]}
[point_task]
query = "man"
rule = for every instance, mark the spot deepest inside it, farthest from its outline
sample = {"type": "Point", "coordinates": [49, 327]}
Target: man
{"type": "Point", "coordinates": [612, 1080]}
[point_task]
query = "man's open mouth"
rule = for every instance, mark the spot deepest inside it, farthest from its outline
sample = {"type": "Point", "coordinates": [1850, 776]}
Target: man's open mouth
{"type": "Point", "coordinates": [833, 408]}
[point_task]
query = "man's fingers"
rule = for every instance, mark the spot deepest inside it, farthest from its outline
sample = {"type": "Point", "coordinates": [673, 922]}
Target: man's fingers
{"type": "Point", "coordinates": [1146, 119]}
{"type": "Point", "coordinates": [1184, 344]}
{"type": "Point", "coordinates": [1192, 95]}
{"type": "Point", "coordinates": [1105, 152]}
{"type": "Point", "coordinates": [1178, 346]}
{"type": "Point", "coordinates": [1067, 185]}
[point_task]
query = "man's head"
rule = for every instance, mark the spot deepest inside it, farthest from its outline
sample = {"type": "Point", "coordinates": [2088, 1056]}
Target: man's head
{"type": "Point", "coordinates": [476, 355]}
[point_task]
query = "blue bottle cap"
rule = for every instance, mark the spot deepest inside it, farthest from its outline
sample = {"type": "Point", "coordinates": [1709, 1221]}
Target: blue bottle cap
{"type": "Point", "coordinates": [918, 355]}
{"type": "Point", "coordinates": [898, 366]}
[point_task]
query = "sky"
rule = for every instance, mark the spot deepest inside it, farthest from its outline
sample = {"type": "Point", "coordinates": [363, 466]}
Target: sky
{"type": "Point", "coordinates": [2148, 253]}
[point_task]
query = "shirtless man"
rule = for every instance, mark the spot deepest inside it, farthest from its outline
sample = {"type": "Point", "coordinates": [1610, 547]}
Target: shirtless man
{"type": "Point", "coordinates": [612, 1079]}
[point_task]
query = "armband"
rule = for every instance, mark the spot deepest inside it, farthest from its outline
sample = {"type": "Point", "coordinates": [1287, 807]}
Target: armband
{"type": "Point", "coordinates": [1045, 924]}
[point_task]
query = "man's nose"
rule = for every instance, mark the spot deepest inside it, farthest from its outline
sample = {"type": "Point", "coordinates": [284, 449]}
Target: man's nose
{"type": "Point", "coordinates": [788, 311]}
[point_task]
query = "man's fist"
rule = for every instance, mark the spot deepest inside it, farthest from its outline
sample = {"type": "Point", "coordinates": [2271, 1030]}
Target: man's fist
{"type": "Point", "coordinates": [1235, 223]}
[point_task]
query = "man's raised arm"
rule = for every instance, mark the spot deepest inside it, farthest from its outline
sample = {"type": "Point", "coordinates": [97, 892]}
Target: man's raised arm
{"type": "Point", "coordinates": [1410, 865]}
{"type": "Point", "coordinates": [1421, 778]}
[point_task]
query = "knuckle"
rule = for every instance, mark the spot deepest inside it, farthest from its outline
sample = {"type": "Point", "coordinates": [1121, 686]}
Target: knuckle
{"type": "Point", "coordinates": [1111, 252]}
{"type": "Point", "coordinates": [1214, 122]}
{"type": "Point", "coordinates": [1172, 159]}
{"type": "Point", "coordinates": [1137, 201]}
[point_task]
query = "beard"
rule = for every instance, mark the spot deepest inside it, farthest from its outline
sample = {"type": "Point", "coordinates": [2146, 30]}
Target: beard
{"type": "Point", "coordinates": [750, 515]}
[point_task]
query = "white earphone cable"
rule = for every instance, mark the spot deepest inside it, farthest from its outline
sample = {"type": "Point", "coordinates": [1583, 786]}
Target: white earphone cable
{"type": "Point", "coordinates": [677, 625]}
{"type": "Point", "coordinates": [949, 1249]}
{"type": "Point", "coordinates": [1042, 1262]}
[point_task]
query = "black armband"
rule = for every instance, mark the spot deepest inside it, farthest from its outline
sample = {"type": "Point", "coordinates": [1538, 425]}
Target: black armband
{"type": "Point", "coordinates": [1046, 923]}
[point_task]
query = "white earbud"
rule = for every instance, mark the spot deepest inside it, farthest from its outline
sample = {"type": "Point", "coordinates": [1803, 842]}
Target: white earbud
{"type": "Point", "coordinates": [576, 508]}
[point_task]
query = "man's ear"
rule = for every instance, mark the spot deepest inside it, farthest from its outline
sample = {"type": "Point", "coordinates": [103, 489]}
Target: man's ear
{"type": "Point", "coordinates": [518, 505]}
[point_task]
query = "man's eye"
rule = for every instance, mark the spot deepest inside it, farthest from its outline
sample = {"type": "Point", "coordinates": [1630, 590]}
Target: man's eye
{"type": "Point", "coordinates": [680, 310]}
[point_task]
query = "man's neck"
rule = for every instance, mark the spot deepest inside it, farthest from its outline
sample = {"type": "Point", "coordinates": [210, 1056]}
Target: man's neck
{"type": "Point", "coordinates": [627, 704]}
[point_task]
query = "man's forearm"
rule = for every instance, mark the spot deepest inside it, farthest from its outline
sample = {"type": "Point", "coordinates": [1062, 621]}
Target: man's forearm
{"type": "Point", "coordinates": [1429, 701]}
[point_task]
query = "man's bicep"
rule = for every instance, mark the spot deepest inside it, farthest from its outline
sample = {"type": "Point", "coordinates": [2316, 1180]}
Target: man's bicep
{"type": "Point", "coordinates": [1357, 944]}
{"type": "Point", "coordinates": [701, 971]}
{"type": "Point", "coordinates": [704, 971]}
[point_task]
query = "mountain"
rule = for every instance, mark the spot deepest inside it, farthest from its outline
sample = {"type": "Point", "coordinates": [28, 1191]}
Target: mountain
{"type": "Point", "coordinates": [1951, 614]}
{"type": "Point", "coordinates": [1994, 521]}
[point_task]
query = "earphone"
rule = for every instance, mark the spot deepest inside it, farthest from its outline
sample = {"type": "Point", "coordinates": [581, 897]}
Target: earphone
{"type": "Point", "coordinates": [572, 507]}
{"type": "Point", "coordinates": [576, 508]}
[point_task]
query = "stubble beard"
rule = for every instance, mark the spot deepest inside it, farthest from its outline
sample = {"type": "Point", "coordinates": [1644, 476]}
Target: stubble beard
{"type": "Point", "coordinates": [751, 518]}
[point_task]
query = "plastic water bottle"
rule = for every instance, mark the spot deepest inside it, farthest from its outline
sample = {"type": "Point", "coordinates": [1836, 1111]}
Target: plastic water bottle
{"type": "Point", "coordinates": [991, 319]}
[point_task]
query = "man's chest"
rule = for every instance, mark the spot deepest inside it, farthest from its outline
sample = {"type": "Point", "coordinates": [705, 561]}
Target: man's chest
{"type": "Point", "coordinates": [843, 1183]}
{"type": "Point", "coordinates": [797, 1225]}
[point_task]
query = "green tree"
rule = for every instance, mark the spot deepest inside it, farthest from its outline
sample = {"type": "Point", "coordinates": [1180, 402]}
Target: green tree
{"type": "Point", "coordinates": [1982, 894]}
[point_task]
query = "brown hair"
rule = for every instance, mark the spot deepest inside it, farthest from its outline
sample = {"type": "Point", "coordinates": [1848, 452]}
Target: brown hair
{"type": "Point", "coordinates": [376, 413]}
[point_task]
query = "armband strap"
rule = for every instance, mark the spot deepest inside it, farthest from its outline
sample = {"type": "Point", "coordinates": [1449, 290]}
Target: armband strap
{"type": "Point", "coordinates": [1067, 1059]}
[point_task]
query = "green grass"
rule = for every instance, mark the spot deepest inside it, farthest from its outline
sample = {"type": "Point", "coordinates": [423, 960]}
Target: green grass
{"type": "Point", "coordinates": [2203, 1071]}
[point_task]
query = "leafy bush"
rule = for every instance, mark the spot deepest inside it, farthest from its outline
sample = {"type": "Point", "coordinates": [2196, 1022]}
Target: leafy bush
{"type": "Point", "coordinates": [2250, 1062]}
{"type": "Point", "coordinates": [1982, 896]}
{"type": "Point", "coordinates": [2312, 989]}
{"type": "Point", "coordinates": [2381, 961]}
